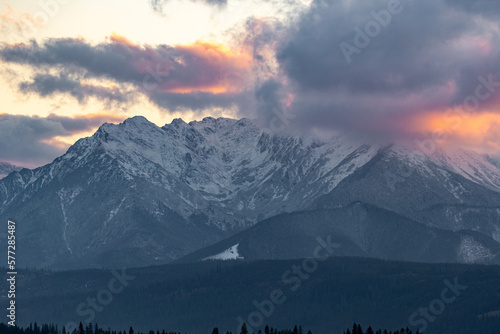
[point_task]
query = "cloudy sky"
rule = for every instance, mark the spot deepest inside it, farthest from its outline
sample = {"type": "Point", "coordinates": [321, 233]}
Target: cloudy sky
{"type": "Point", "coordinates": [381, 70]}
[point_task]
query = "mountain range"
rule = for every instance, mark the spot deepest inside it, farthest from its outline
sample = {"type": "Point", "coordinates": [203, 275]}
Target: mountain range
{"type": "Point", "coordinates": [135, 194]}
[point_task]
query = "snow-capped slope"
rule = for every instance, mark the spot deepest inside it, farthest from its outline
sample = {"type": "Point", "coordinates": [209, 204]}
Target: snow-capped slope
{"type": "Point", "coordinates": [138, 194]}
{"type": "Point", "coordinates": [248, 173]}
{"type": "Point", "coordinates": [479, 168]}
{"type": "Point", "coordinates": [430, 191]}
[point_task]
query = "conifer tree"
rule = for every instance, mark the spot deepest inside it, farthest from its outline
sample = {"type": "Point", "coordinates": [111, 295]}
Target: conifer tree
{"type": "Point", "coordinates": [244, 329]}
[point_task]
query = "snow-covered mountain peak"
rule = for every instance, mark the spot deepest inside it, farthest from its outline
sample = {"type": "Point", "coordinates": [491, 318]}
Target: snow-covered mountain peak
{"type": "Point", "coordinates": [177, 123]}
{"type": "Point", "coordinates": [212, 121]}
{"type": "Point", "coordinates": [137, 122]}
{"type": "Point", "coordinates": [223, 126]}
{"type": "Point", "coordinates": [225, 147]}
{"type": "Point", "coordinates": [135, 126]}
{"type": "Point", "coordinates": [209, 177]}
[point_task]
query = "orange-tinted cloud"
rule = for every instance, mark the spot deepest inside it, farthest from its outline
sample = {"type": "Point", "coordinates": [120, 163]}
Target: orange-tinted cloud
{"type": "Point", "coordinates": [8, 14]}
{"type": "Point", "coordinates": [480, 131]}
{"type": "Point", "coordinates": [226, 69]}
{"type": "Point", "coordinates": [106, 85]}
{"type": "Point", "coordinates": [15, 21]}
{"type": "Point", "coordinates": [120, 39]}
{"type": "Point", "coordinates": [219, 69]}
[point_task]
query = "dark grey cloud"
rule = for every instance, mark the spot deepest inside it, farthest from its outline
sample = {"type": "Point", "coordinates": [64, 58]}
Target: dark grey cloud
{"type": "Point", "coordinates": [407, 55]}
{"type": "Point", "coordinates": [80, 123]}
{"type": "Point", "coordinates": [47, 85]}
{"type": "Point", "coordinates": [105, 60]}
{"type": "Point", "coordinates": [427, 56]}
{"type": "Point", "coordinates": [269, 100]}
{"type": "Point", "coordinates": [199, 102]}
{"type": "Point", "coordinates": [488, 8]}
{"type": "Point", "coordinates": [149, 70]}
{"type": "Point", "coordinates": [21, 138]}
{"type": "Point", "coordinates": [26, 139]}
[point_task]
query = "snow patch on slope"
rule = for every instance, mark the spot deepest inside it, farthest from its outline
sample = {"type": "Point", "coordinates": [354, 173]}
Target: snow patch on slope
{"type": "Point", "coordinates": [471, 251]}
{"type": "Point", "coordinates": [113, 212]}
{"type": "Point", "coordinates": [229, 254]}
{"type": "Point", "coordinates": [61, 195]}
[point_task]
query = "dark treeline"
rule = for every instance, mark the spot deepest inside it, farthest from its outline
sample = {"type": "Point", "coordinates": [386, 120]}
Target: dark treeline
{"type": "Point", "coordinates": [53, 329]}
{"type": "Point", "coordinates": [95, 329]}
{"type": "Point", "coordinates": [357, 329]}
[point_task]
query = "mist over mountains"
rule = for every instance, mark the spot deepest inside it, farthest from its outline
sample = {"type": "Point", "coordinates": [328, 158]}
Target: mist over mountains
{"type": "Point", "coordinates": [136, 194]}
{"type": "Point", "coordinates": [6, 169]}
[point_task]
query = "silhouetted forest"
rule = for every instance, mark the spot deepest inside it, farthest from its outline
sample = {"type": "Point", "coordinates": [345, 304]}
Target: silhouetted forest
{"type": "Point", "coordinates": [95, 329]}
{"type": "Point", "coordinates": [358, 329]}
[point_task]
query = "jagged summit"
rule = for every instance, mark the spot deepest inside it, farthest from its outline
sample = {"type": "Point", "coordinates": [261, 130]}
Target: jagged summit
{"type": "Point", "coordinates": [177, 122]}
{"type": "Point", "coordinates": [137, 120]}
